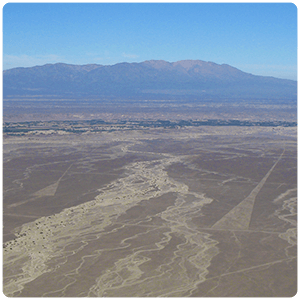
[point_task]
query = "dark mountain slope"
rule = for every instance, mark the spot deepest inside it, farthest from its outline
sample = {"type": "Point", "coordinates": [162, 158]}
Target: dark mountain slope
{"type": "Point", "coordinates": [156, 79]}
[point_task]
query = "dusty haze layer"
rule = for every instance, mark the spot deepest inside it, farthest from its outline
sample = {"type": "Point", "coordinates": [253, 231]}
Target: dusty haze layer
{"type": "Point", "coordinates": [204, 211]}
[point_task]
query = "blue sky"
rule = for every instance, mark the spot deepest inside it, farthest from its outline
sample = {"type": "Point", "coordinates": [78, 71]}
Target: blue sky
{"type": "Point", "coordinates": [259, 38]}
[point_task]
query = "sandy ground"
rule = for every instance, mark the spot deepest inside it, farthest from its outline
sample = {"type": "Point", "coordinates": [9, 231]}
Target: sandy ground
{"type": "Point", "coordinates": [207, 211]}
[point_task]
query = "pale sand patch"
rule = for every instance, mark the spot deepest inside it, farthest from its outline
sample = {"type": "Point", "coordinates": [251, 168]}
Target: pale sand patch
{"type": "Point", "coordinates": [288, 213]}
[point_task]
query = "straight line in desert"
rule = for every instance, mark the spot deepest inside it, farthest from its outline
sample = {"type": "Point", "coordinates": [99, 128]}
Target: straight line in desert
{"type": "Point", "coordinates": [239, 217]}
{"type": "Point", "coordinates": [254, 267]}
{"type": "Point", "coordinates": [49, 190]}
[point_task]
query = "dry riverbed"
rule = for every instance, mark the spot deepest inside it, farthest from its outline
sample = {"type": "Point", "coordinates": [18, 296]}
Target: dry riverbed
{"type": "Point", "coordinates": [204, 211]}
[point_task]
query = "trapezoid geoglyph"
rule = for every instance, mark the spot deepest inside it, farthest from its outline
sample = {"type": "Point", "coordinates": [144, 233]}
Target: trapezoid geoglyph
{"type": "Point", "coordinates": [240, 216]}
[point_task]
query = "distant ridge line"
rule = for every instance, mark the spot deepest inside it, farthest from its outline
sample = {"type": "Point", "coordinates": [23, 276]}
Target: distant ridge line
{"type": "Point", "coordinates": [152, 79]}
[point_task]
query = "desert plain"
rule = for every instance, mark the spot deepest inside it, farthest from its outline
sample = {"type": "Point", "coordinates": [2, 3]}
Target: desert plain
{"type": "Point", "coordinates": [173, 212]}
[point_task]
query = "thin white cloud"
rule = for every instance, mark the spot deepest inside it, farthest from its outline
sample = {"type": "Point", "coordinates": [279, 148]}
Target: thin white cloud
{"type": "Point", "coordinates": [14, 61]}
{"type": "Point", "coordinates": [129, 55]}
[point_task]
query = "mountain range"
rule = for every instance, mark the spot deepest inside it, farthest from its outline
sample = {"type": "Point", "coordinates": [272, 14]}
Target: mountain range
{"type": "Point", "coordinates": [154, 79]}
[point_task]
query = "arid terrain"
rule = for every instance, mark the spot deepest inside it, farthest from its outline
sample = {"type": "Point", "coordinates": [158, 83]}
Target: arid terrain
{"type": "Point", "coordinates": [151, 212]}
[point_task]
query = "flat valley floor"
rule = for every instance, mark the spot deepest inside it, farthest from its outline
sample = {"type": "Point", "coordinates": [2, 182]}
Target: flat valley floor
{"type": "Point", "coordinates": [203, 211]}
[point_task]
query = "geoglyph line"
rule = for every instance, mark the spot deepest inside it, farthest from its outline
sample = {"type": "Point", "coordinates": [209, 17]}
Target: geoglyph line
{"type": "Point", "coordinates": [240, 216]}
{"type": "Point", "coordinates": [253, 268]}
{"type": "Point", "coordinates": [49, 190]}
